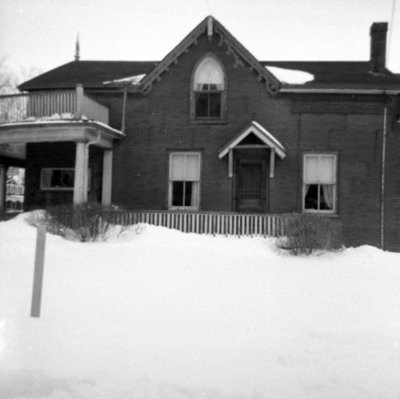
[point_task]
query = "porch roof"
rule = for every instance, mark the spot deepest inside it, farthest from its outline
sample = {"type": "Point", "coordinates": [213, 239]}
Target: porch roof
{"type": "Point", "coordinates": [59, 130]}
{"type": "Point", "coordinates": [259, 131]}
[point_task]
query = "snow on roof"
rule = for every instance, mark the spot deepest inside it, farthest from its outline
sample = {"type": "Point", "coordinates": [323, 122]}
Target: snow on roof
{"type": "Point", "coordinates": [58, 119]}
{"type": "Point", "coordinates": [54, 118]}
{"type": "Point", "coordinates": [290, 76]}
{"type": "Point", "coordinates": [132, 80]}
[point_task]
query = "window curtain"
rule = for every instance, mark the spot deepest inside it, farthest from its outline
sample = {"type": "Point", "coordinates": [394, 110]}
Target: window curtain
{"type": "Point", "coordinates": [327, 178]}
{"type": "Point", "coordinates": [208, 73]}
{"type": "Point", "coordinates": [184, 167]}
{"type": "Point", "coordinates": [311, 169]}
{"type": "Point", "coordinates": [192, 167]}
{"type": "Point", "coordinates": [177, 167]}
{"type": "Point", "coordinates": [195, 194]}
{"type": "Point", "coordinates": [319, 169]}
{"type": "Point", "coordinates": [327, 190]}
{"type": "Point", "coordinates": [326, 169]}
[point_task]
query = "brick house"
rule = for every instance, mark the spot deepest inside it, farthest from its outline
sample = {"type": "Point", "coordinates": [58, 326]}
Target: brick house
{"type": "Point", "coordinates": [212, 128]}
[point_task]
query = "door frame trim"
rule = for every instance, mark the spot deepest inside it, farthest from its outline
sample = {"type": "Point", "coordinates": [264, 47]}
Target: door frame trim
{"type": "Point", "coordinates": [264, 181]}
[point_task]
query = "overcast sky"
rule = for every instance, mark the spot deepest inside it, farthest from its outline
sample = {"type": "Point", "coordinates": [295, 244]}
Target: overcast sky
{"type": "Point", "coordinates": [42, 33]}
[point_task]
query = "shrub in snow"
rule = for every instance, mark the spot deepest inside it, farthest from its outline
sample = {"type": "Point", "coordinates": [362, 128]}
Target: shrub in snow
{"type": "Point", "coordinates": [87, 222]}
{"type": "Point", "coordinates": [307, 233]}
{"type": "Point", "coordinates": [53, 226]}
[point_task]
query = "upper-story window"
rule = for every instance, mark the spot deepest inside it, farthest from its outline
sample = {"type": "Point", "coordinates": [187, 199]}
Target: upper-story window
{"type": "Point", "coordinates": [209, 90]}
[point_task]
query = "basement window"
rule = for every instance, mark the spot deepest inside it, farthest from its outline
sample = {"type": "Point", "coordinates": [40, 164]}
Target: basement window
{"type": "Point", "coordinates": [319, 183]}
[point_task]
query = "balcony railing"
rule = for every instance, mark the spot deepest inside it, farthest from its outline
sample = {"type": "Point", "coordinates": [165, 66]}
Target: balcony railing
{"type": "Point", "coordinates": [15, 189]}
{"type": "Point", "coordinates": [60, 104]}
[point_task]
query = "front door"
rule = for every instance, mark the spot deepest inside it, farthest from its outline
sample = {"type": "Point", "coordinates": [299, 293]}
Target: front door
{"type": "Point", "coordinates": [250, 188]}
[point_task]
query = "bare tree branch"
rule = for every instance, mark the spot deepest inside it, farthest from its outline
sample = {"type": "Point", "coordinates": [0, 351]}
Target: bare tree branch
{"type": "Point", "coordinates": [10, 79]}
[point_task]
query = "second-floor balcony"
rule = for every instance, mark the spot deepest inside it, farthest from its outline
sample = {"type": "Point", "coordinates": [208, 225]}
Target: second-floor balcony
{"type": "Point", "coordinates": [48, 105]}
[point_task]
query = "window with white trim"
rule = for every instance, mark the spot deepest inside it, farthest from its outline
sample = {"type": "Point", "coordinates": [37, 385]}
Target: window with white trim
{"type": "Point", "coordinates": [319, 183]}
{"type": "Point", "coordinates": [59, 179]}
{"type": "Point", "coordinates": [209, 90]}
{"type": "Point", "coordinates": [184, 180]}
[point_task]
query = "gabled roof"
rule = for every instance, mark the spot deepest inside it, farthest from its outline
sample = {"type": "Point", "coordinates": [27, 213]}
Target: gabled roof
{"type": "Point", "coordinates": [211, 26]}
{"type": "Point", "coordinates": [328, 75]}
{"type": "Point", "coordinates": [261, 133]}
{"type": "Point", "coordinates": [91, 74]}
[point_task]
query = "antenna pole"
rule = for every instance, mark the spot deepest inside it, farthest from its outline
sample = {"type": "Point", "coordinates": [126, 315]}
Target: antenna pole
{"type": "Point", "coordinates": [77, 48]}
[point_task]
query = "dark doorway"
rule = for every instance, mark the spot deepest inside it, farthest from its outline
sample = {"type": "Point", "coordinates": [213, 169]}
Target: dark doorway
{"type": "Point", "coordinates": [251, 185]}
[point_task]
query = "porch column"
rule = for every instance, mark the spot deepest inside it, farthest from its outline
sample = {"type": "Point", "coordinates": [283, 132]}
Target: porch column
{"type": "Point", "coordinates": [107, 178]}
{"type": "Point", "coordinates": [2, 189]}
{"type": "Point", "coordinates": [79, 101]}
{"type": "Point", "coordinates": [272, 163]}
{"type": "Point", "coordinates": [230, 163]}
{"type": "Point", "coordinates": [80, 188]}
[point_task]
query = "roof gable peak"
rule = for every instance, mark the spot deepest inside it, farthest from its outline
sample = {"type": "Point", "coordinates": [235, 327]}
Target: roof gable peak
{"type": "Point", "coordinates": [212, 27]}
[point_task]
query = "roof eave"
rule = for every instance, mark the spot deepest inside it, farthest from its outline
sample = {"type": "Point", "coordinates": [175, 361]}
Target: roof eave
{"type": "Point", "coordinates": [311, 90]}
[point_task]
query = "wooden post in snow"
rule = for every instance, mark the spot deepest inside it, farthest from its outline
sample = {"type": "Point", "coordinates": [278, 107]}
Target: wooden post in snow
{"type": "Point", "coordinates": [38, 272]}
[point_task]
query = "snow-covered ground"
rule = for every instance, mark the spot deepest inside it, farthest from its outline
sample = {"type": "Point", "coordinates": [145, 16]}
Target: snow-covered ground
{"type": "Point", "coordinates": [155, 313]}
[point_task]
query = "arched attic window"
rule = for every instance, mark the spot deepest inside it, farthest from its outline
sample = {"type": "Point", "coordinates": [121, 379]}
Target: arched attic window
{"type": "Point", "coordinates": [208, 90]}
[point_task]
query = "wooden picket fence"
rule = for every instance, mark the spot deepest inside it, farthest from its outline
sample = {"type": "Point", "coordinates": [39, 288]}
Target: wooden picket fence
{"type": "Point", "coordinates": [236, 224]}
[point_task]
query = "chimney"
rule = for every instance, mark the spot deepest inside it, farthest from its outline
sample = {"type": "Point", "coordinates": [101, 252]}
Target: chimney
{"type": "Point", "coordinates": [378, 46]}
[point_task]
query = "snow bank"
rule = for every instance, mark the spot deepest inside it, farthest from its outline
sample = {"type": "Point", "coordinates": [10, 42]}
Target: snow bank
{"type": "Point", "coordinates": [291, 76]}
{"type": "Point", "coordinates": [155, 313]}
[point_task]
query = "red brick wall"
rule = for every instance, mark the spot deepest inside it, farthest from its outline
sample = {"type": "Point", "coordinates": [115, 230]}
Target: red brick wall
{"type": "Point", "coordinates": [356, 138]}
{"type": "Point", "coordinates": [160, 122]}
{"type": "Point", "coordinates": [392, 180]}
{"type": "Point", "coordinates": [347, 125]}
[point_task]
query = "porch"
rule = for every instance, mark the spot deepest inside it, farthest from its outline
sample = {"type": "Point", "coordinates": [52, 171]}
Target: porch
{"type": "Point", "coordinates": [58, 116]}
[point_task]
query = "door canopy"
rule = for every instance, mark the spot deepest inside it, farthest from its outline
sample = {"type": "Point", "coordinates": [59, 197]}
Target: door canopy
{"type": "Point", "coordinates": [266, 139]}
